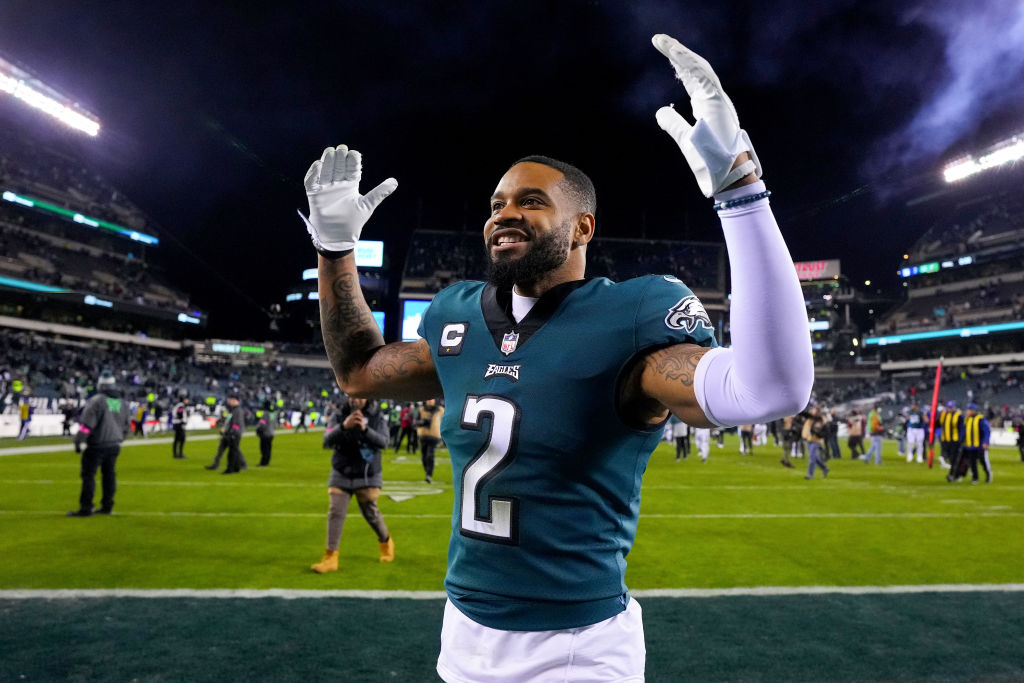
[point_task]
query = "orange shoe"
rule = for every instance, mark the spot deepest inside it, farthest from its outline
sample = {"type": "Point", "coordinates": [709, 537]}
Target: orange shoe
{"type": "Point", "coordinates": [387, 550]}
{"type": "Point", "coordinates": [328, 564]}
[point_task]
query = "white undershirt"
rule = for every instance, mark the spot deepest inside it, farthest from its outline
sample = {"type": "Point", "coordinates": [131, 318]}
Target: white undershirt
{"type": "Point", "coordinates": [521, 305]}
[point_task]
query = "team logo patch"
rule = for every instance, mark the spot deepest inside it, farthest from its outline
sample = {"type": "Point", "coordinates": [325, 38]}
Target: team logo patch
{"type": "Point", "coordinates": [509, 342]}
{"type": "Point", "coordinates": [452, 337]}
{"type": "Point", "coordinates": [509, 371]}
{"type": "Point", "coordinates": [688, 314]}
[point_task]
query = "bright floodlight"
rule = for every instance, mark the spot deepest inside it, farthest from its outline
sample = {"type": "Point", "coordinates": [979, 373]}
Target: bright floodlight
{"type": "Point", "coordinates": [1004, 152]}
{"type": "Point", "coordinates": [33, 92]}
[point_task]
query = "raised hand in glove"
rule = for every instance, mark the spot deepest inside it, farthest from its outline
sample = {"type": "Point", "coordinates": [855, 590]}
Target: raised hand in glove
{"type": "Point", "coordinates": [713, 143]}
{"type": "Point", "coordinates": [337, 212]}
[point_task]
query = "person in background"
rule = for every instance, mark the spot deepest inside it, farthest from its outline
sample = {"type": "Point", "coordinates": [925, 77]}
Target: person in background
{"type": "Point", "coordinates": [429, 434]}
{"type": "Point", "coordinates": [747, 439]}
{"type": "Point", "coordinates": [25, 415]}
{"type": "Point", "coordinates": [140, 420]}
{"type": "Point", "coordinates": [681, 437]}
{"type": "Point", "coordinates": [876, 430]}
{"type": "Point", "coordinates": [179, 417]}
{"type": "Point", "coordinates": [832, 436]}
{"type": "Point", "coordinates": [788, 439]}
{"type": "Point", "coordinates": [266, 420]}
{"type": "Point", "coordinates": [702, 439]}
{"type": "Point", "coordinates": [976, 433]}
{"type": "Point", "coordinates": [814, 436]}
{"type": "Point", "coordinates": [915, 433]}
{"type": "Point", "coordinates": [231, 436]}
{"type": "Point", "coordinates": [103, 426]}
{"type": "Point", "coordinates": [855, 435]}
{"type": "Point", "coordinates": [950, 427]}
{"type": "Point", "coordinates": [356, 434]}
{"type": "Point", "coordinates": [69, 413]}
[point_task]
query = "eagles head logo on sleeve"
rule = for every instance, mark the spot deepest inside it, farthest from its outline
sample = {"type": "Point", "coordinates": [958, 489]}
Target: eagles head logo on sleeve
{"type": "Point", "coordinates": [688, 314]}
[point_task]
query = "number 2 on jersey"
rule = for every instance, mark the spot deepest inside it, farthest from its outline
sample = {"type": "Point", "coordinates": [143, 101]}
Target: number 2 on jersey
{"type": "Point", "coordinates": [501, 522]}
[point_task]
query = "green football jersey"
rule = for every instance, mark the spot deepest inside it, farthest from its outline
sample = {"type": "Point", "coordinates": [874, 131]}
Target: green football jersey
{"type": "Point", "coordinates": [546, 474]}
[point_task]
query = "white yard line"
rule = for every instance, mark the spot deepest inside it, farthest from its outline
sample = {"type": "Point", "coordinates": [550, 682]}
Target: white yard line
{"type": "Point", "coordinates": [739, 515]}
{"type": "Point", "coordinates": [68, 447]}
{"type": "Point", "coordinates": [289, 594]}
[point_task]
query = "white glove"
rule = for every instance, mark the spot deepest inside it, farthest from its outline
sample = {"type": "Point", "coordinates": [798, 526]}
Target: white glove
{"type": "Point", "coordinates": [337, 212]}
{"type": "Point", "coordinates": [713, 143]}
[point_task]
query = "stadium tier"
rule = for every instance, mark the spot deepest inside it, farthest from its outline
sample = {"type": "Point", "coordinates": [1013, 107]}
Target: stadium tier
{"type": "Point", "coordinates": [74, 250]}
{"type": "Point", "coordinates": [964, 279]}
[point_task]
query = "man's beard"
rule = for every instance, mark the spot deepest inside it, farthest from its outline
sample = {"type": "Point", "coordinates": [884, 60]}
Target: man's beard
{"type": "Point", "coordinates": [545, 254]}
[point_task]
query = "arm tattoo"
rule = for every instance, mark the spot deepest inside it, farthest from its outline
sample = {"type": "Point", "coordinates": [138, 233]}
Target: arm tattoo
{"type": "Point", "coordinates": [350, 333]}
{"type": "Point", "coordinates": [398, 363]}
{"type": "Point", "coordinates": [675, 366]}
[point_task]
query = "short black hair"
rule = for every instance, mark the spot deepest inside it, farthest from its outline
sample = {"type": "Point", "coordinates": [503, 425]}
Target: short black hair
{"type": "Point", "coordinates": [576, 183]}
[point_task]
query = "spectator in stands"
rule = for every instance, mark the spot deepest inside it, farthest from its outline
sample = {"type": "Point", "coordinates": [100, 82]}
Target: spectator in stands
{"type": "Point", "coordinates": [103, 426]}
{"type": "Point", "coordinates": [356, 434]}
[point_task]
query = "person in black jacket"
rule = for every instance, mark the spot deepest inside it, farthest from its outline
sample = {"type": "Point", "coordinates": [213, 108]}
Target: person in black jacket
{"type": "Point", "coordinates": [266, 422]}
{"type": "Point", "coordinates": [179, 416]}
{"type": "Point", "coordinates": [357, 433]}
{"type": "Point", "coordinates": [104, 423]}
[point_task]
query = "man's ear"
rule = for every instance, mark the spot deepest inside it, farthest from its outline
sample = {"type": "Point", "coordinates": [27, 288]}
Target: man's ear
{"type": "Point", "coordinates": [583, 231]}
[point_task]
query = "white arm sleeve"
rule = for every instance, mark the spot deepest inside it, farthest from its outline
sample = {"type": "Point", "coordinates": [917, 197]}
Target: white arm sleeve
{"type": "Point", "coordinates": [768, 373]}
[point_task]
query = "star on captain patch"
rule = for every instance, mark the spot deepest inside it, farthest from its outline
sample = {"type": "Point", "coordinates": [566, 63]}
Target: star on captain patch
{"type": "Point", "coordinates": [509, 342]}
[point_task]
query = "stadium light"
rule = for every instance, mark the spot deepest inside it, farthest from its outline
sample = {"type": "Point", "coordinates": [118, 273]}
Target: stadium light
{"type": "Point", "coordinates": [1005, 152]}
{"type": "Point", "coordinates": [964, 332]}
{"type": "Point", "coordinates": [40, 205]}
{"type": "Point", "coordinates": [33, 92]}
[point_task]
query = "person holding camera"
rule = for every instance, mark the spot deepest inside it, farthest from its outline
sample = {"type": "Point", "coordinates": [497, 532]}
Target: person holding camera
{"type": "Point", "coordinates": [356, 433]}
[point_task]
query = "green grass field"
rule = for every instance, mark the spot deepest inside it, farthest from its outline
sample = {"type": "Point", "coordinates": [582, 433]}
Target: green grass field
{"type": "Point", "coordinates": [734, 522]}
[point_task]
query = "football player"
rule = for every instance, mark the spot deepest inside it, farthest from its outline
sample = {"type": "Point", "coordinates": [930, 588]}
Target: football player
{"type": "Point", "coordinates": [544, 516]}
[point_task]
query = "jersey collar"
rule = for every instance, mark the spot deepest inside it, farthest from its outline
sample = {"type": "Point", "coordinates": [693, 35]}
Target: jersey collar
{"type": "Point", "coordinates": [496, 306]}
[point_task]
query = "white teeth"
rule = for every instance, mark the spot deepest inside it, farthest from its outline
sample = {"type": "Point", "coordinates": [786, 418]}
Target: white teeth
{"type": "Point", "coordinates": [508, 239]}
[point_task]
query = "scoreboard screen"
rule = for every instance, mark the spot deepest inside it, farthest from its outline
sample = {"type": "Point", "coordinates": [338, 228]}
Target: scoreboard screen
{"type": "Point", "coordinates": [412, 314]}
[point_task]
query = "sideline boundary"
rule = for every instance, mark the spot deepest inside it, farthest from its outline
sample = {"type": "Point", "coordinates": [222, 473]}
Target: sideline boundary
{"type": "Point", "coordinates": [290, 594]}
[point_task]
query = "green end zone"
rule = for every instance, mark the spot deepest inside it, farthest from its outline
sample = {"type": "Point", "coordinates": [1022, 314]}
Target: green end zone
{"type": "Point", "coordinates": [741, 528]}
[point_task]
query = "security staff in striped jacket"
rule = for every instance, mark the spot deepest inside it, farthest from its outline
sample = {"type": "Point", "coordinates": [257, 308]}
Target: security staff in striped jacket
{"type": "Point", "coordinates": [976, 434]}
{"type": "Point", "coordinates": [950, 428]}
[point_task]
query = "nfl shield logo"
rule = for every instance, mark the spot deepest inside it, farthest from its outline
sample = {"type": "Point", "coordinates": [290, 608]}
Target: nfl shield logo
{"type": "Point", "coordinates": [509, 342]}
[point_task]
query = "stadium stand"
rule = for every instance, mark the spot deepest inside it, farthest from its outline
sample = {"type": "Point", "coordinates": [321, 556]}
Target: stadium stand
{"type": "Point", "coordinates": [74, 249]}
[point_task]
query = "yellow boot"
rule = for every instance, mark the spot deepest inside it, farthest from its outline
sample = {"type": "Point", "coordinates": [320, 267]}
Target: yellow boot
{"type": "Point", "coordinates": [328, 564]}
{"type": "Point", "coordinates": [387, 550]}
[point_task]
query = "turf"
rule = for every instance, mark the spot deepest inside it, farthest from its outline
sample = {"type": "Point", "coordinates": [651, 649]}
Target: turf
{"type": "Point", "coordinates": [735, 521]}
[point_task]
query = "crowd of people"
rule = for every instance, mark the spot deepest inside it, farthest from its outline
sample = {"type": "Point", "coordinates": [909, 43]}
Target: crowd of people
{"type": "Point", "coordinates": [444, 257]}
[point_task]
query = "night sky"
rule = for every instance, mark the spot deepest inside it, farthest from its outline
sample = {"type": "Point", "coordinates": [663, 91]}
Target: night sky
{"type": "Point", "coordinates": [212, 113]}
